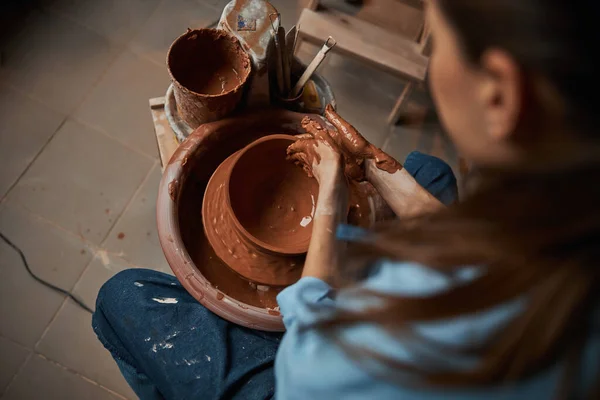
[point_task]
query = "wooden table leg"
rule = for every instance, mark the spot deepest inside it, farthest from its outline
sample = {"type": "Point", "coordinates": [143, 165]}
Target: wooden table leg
{"type": "Point", "coordinates": [400, 105]}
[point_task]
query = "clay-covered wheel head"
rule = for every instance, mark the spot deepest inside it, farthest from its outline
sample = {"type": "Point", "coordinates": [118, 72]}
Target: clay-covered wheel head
{"type": "Point", "coordinates": [272, 199]}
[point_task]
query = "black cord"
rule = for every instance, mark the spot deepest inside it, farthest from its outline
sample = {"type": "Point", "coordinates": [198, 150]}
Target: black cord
{"type": "Point", "coordinates": [40, 280]}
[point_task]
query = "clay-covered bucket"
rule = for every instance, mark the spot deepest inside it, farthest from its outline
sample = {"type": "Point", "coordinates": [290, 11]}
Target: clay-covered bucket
{"type": "Point", "coordinates": [209, 69]}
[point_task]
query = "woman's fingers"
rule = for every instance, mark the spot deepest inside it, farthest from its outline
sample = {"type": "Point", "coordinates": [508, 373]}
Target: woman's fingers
{"type": "Point", "coordinates": [312, 126]}
{"type": "Point", "coordinates": [300, 159]}
{"type": "Point", "coordinates": [305, 136]}
{"type": "Point", "coordinates": [349, 139]}
{"type": "Point", "coordinates": [298, 146]}
{"type": "Point", "coordinates": [334, 118]}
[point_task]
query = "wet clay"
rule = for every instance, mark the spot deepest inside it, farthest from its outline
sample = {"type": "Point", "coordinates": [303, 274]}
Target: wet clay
{"type": "Point", "coordinates": [208, 62]}
{"type": "Point", "coordinates": [273, 200]}
{"type": "Point", "coordinates": [354, 147]}
{"type": "Point", "coordinates": [304, 152]}
{"type": "Point", "coordinates": [258, 211]}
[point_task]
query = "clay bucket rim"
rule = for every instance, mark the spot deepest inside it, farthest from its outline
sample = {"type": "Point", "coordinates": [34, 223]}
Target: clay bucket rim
{"type": "Point", "coordinates": [243, 79]}
{"type": "Point", "coordinates": [238, 225]}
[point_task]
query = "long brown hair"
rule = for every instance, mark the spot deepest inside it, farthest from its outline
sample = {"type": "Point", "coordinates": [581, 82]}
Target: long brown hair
{"type": "Point", "coordinates": [536, 228]}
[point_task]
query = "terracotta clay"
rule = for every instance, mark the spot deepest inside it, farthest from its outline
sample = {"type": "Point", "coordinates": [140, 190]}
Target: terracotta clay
{"type": "Point", "coordinates": [271, 198]}
{"type": "Point", "coordinates": [258, 210]}
{"type": "Point", "coordinates": [354, 147]}
{"type": "Point", "coordinates": [209, 69]}
{"type": "Point", "coordinates": [180, 227]}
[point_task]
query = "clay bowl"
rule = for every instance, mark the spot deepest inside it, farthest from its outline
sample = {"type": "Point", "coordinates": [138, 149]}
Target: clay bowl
{"type": "Point", "coordinates": [181, 230]}
{"type": "Point", "coordinates": [209, 70]}
{"type": "Point", "coordinates": [258, 210]}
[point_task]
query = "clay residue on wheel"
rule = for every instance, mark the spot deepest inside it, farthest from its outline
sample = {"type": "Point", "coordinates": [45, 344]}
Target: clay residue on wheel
{"type": "Point", "coordinates": [208, 62]}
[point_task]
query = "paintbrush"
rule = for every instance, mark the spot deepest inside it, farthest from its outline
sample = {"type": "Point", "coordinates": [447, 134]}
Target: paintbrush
{"type": "Point", "coordinates": [314, 64]}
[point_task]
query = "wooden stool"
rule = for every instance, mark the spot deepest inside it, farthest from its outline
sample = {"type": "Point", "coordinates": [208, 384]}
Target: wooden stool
{"type": "Point", "coordinates": [385, 50]}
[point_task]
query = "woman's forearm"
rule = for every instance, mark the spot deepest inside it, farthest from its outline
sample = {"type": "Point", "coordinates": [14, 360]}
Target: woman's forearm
{"type": "Point", "coordinates": [401, 191]}
{"type": "Point", "coordinates": [324, 251]}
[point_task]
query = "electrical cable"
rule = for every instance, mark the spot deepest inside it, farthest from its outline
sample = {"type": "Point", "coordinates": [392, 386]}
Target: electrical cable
{"type": "Point", "coordinates": [48, 284]}
{"type": "Point", "coordinates": [40, 280]}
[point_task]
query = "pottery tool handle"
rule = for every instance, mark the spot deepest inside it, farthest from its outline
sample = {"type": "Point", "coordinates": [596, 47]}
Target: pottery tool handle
{"type": "Point", "coordinates": [275, 18]}
{"type": "Point", "coordinates": [290, 44]}
{"type": "Point", "coordinates": [285, 64]}
{"type": "Point", "coordinates": [278, 67]}
{"type": "Point", "coordinates": [314, 64]}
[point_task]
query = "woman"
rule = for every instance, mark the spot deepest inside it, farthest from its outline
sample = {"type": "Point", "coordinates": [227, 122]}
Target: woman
{"type": "Point", "coordinates": [493, 297]}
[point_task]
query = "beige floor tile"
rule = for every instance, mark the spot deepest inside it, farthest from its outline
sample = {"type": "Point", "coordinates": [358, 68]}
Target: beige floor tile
{"type": "Point", "coordinates": [115, 19]}
{"type": "Point", "coordinates": [43, 379]}
{"type": "Point", "coordinates": [101, 269]}
{"type": "Point", "coordinates": [71, 342]}
{"type": "Point", "coordinates": [118, 105]}
{"type": "Point", "coordinates": [26, 306]}
{"type": "Point", "coordinates": [134, 237]}
{"type": "Point", "coordinates": [82, 181]}
{"type": "Point", "coordinates": [170, 20]}
{"type": "Point", "coordinates": [56, 60]}
{"type": "Point", "coordinates": [13, 356]}
{"type": "Point", "coordinates": [53, 254]}
{"type": "Point", "coordinates": [25, 127]}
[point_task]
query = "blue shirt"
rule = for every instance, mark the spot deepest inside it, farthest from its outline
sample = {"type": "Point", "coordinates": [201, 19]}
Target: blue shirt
{"type": "Point", "coordinates": [309, 366]}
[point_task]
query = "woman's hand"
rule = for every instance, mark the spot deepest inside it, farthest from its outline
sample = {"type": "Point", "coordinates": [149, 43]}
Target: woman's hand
{"type": "Point", "coordinates": [353, 147]}
{"type": "Point", "coordinates": [318, 156]}
{"type": "Point", "coordinates": [321, 158]}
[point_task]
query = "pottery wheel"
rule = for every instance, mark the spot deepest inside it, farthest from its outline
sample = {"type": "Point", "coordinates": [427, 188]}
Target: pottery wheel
{"type": "Point", "coordinates": [180, 226]}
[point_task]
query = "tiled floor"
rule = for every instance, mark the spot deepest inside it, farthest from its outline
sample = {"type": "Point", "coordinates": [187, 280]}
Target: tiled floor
{"type": "Point", "coordinates": [79, 171]}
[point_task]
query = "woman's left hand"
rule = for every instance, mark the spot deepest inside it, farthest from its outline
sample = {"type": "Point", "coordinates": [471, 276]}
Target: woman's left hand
{"type": "Point", "coordinates": [318, 156]}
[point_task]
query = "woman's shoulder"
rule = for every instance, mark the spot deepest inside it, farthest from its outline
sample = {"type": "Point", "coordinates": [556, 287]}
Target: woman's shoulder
{"type": "Point", "coordinates": [414, 279]}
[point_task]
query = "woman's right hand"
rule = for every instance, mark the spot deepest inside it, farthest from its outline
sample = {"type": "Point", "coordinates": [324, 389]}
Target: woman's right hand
{"type": "Point", "coordinates": [355, 149]}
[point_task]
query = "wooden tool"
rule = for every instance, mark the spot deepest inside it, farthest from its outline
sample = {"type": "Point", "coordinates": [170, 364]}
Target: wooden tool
{"type": "Point", "coordinates": [285, 64]}
{"type": "Point", "coordinates": [278, 56]}
{"type": "Point", "coordinates": [314, 64]}
{"type": "Point", "coordinates": [290, 44]}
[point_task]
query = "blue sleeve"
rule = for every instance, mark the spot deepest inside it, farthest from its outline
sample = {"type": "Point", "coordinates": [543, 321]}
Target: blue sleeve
{"type": "Point", "coordinates": [309, 365]}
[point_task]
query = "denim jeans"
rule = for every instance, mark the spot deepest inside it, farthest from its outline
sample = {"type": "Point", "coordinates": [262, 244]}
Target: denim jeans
{"type": "Point", "coordinates": [167, 345]}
